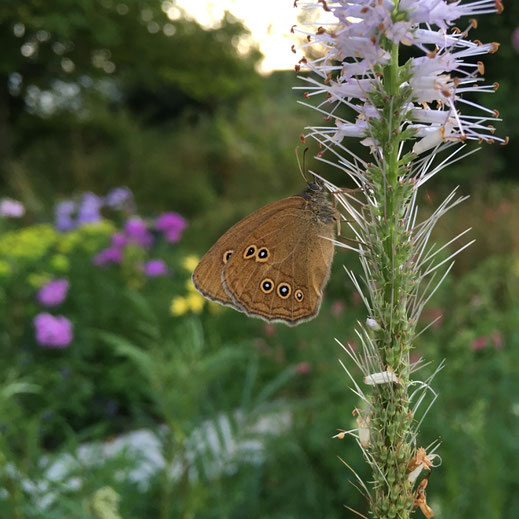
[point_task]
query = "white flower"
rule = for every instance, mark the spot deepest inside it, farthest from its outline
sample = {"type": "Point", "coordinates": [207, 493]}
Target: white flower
{"type": "Point", "coordinates": [11, 208]}
{"type": "Point", "coordinates": [443, 14]}
{"type": "Point", "coordinates": [439, 81]}
{"type": "Point", "coordinates": [373, 324]}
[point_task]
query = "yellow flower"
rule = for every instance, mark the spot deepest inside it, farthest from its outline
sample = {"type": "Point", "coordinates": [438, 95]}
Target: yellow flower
{"type": "Point", "coordinates": [69, 241]}
{"type": "Point", "coordinates": [59, 262]}
{"type": "Point", "coordinates": [103, 227]}
{"type": "Point", "coordinates": [37, 280]}
{"type": "Point", "coordinates": [190, 287]}
{"type": "Point", "coordinates": [29, 243]}
{"type": "Point", "coordinates": [195, 302]}
{"type": "Point", "coordinates": [190, 262]}
{"type": "Point", "coordinates": [179, 306]}
{"type": "Point", "coordinates": [92, 233]}
{"type": "Point", "coordinates": [5, 268]}
{"type": "Point", "coordinates": [87, 236]}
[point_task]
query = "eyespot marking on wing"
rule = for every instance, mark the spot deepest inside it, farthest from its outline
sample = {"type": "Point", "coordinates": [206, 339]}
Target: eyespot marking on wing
{"type": "Point", "coordinates": [227, 255]}
{"type": "Point", "coordinates": [284, 290]}
{"type": "Point", "coordinates": [267, 285]}
{"type": "Point", "coordinates": [250, 252]}
{"type": "Point", "coordinates": [262, 255]}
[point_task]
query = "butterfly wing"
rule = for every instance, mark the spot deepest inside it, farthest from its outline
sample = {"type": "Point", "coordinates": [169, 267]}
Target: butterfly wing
{"type": "Point", "coordinates": [207, 276]}
{"type": "Point", "coordinates": [279, 270]}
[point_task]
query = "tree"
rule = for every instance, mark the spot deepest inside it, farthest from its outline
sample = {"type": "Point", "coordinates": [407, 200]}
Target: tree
{"type": "Point", "coordinates": [145, 54]}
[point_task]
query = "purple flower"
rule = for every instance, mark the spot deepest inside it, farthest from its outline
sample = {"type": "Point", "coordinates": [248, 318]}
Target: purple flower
{"type": "Point", "coordinates": [89, 209]}
{"type": "Point", "coordinates": [118, 240]}
{"type": "Point", "coordinates": [135, 227]}
{"type": "Point", "coordinates": [172, 225]}
{"type": "Point", "coordinates": [120, 197]}
{"type": "Point", "coordinates": [109, 255]}
{"type": "Point", "coordinates": [53, 331]}
{"type": "Point", "coordinates": [173, 235]}
{"type": "Point", "coordinates": [137, 232]}
{"type": "Point", "coordinates": [170, 220]}
{"type": "Point", "coordinates": [53, 293]}
{"type": "Point", "coordinates": [63, 215]}
{"type": "Point", "coordinates": [11, 208]}
{"type": "Point", "coordinates": [155, 267]}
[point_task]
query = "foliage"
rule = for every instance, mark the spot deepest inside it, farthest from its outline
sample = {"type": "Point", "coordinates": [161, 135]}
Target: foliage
{"type": "Point", "coordinates": [64, 62]}
{"type": "Point", "coordinates": [193, 381]}
{"type": "Point", "coordinates": [481, 342]}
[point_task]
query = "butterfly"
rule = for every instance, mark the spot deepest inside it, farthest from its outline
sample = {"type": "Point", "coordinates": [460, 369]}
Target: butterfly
{"type": "Point", "coordinates": [275, 263]}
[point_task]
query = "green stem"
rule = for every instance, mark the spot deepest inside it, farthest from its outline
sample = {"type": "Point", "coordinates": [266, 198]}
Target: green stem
{"type": "Point", "coordinates": [390, 418]}
{"type": "Point", "coordinates": [391, 173]}
{"type": "Point", "coordinates": [393, 90]}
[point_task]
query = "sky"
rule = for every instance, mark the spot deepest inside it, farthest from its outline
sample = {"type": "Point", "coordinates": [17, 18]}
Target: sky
{"type": "Point", "coordinates": [268, 20]}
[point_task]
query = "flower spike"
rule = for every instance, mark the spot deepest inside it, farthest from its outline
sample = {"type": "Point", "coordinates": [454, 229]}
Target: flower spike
{"type": "Point", "coordinates": [405, 115]}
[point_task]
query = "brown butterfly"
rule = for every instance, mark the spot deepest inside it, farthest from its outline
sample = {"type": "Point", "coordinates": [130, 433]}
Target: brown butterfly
{"type": "Point", "coordinates": [274, 264]}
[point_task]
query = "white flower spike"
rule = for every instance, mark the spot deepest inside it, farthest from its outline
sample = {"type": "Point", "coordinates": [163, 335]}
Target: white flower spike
{"type": "Point", "coordinates": [405, 112]}
{"type": "Point", "coordinates": [438, 81]}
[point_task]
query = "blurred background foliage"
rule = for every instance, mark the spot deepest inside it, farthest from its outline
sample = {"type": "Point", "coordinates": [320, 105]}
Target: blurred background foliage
{"type": "Point", "coordinates": [96, 94]}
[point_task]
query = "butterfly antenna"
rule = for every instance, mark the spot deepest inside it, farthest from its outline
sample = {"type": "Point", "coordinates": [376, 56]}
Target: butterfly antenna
{"type": "Point", "coordinates": [304, 160]}
{"type": "Point", "coordinates": [301, 169]}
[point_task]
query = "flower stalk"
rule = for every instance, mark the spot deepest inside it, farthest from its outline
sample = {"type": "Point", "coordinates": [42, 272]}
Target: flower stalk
{"type": "Point", "coordinates": [406, 115]}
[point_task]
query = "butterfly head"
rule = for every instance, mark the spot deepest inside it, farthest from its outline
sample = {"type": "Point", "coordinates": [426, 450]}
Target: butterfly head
{"type": "Point", "coordinates": [315, 190]}
{"type": "Point", "coordinates": [316, 186]}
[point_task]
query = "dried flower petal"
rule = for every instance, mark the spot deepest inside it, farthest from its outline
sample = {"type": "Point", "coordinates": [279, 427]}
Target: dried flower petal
{"type": "Point", "coordinates": [419, 462]}
{"type": "Point", "coordinates": [384, 377]}
{"type": "Point", "coordinates": [420, 499]}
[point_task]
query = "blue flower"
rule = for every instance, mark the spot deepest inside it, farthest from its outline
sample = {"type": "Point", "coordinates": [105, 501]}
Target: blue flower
{"type": "Point", "coordinates": [89, 209]}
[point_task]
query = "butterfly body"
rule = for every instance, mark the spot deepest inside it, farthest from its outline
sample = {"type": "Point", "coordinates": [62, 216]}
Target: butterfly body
{"type": "Point", "coordinates": [274, 263]}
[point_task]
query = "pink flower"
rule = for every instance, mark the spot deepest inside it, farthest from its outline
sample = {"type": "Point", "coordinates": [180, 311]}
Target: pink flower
{"type": "Point", "coordinates": [414, 357]}
{"type": "Point", "coordinates": [269, 329]}
{"type": "Point", "coordinates": [435, 315]}
{"type": "Point", "coordinates": [479, 343]}
{"type": "Point", "coordinates": [303, 368]}
{"type": "Point", "coordinates": [155, 267]}
{"type": "Point", "coordinates": [497, 340]}
{"type": "Point", "coordinates": [53, 331]}
{"type": "Point", "coordinates": [337, 307]}
{"type": "Point", "coordinates": [53, 293]}
{"type": "Point", "coordinates": [515, 39]}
